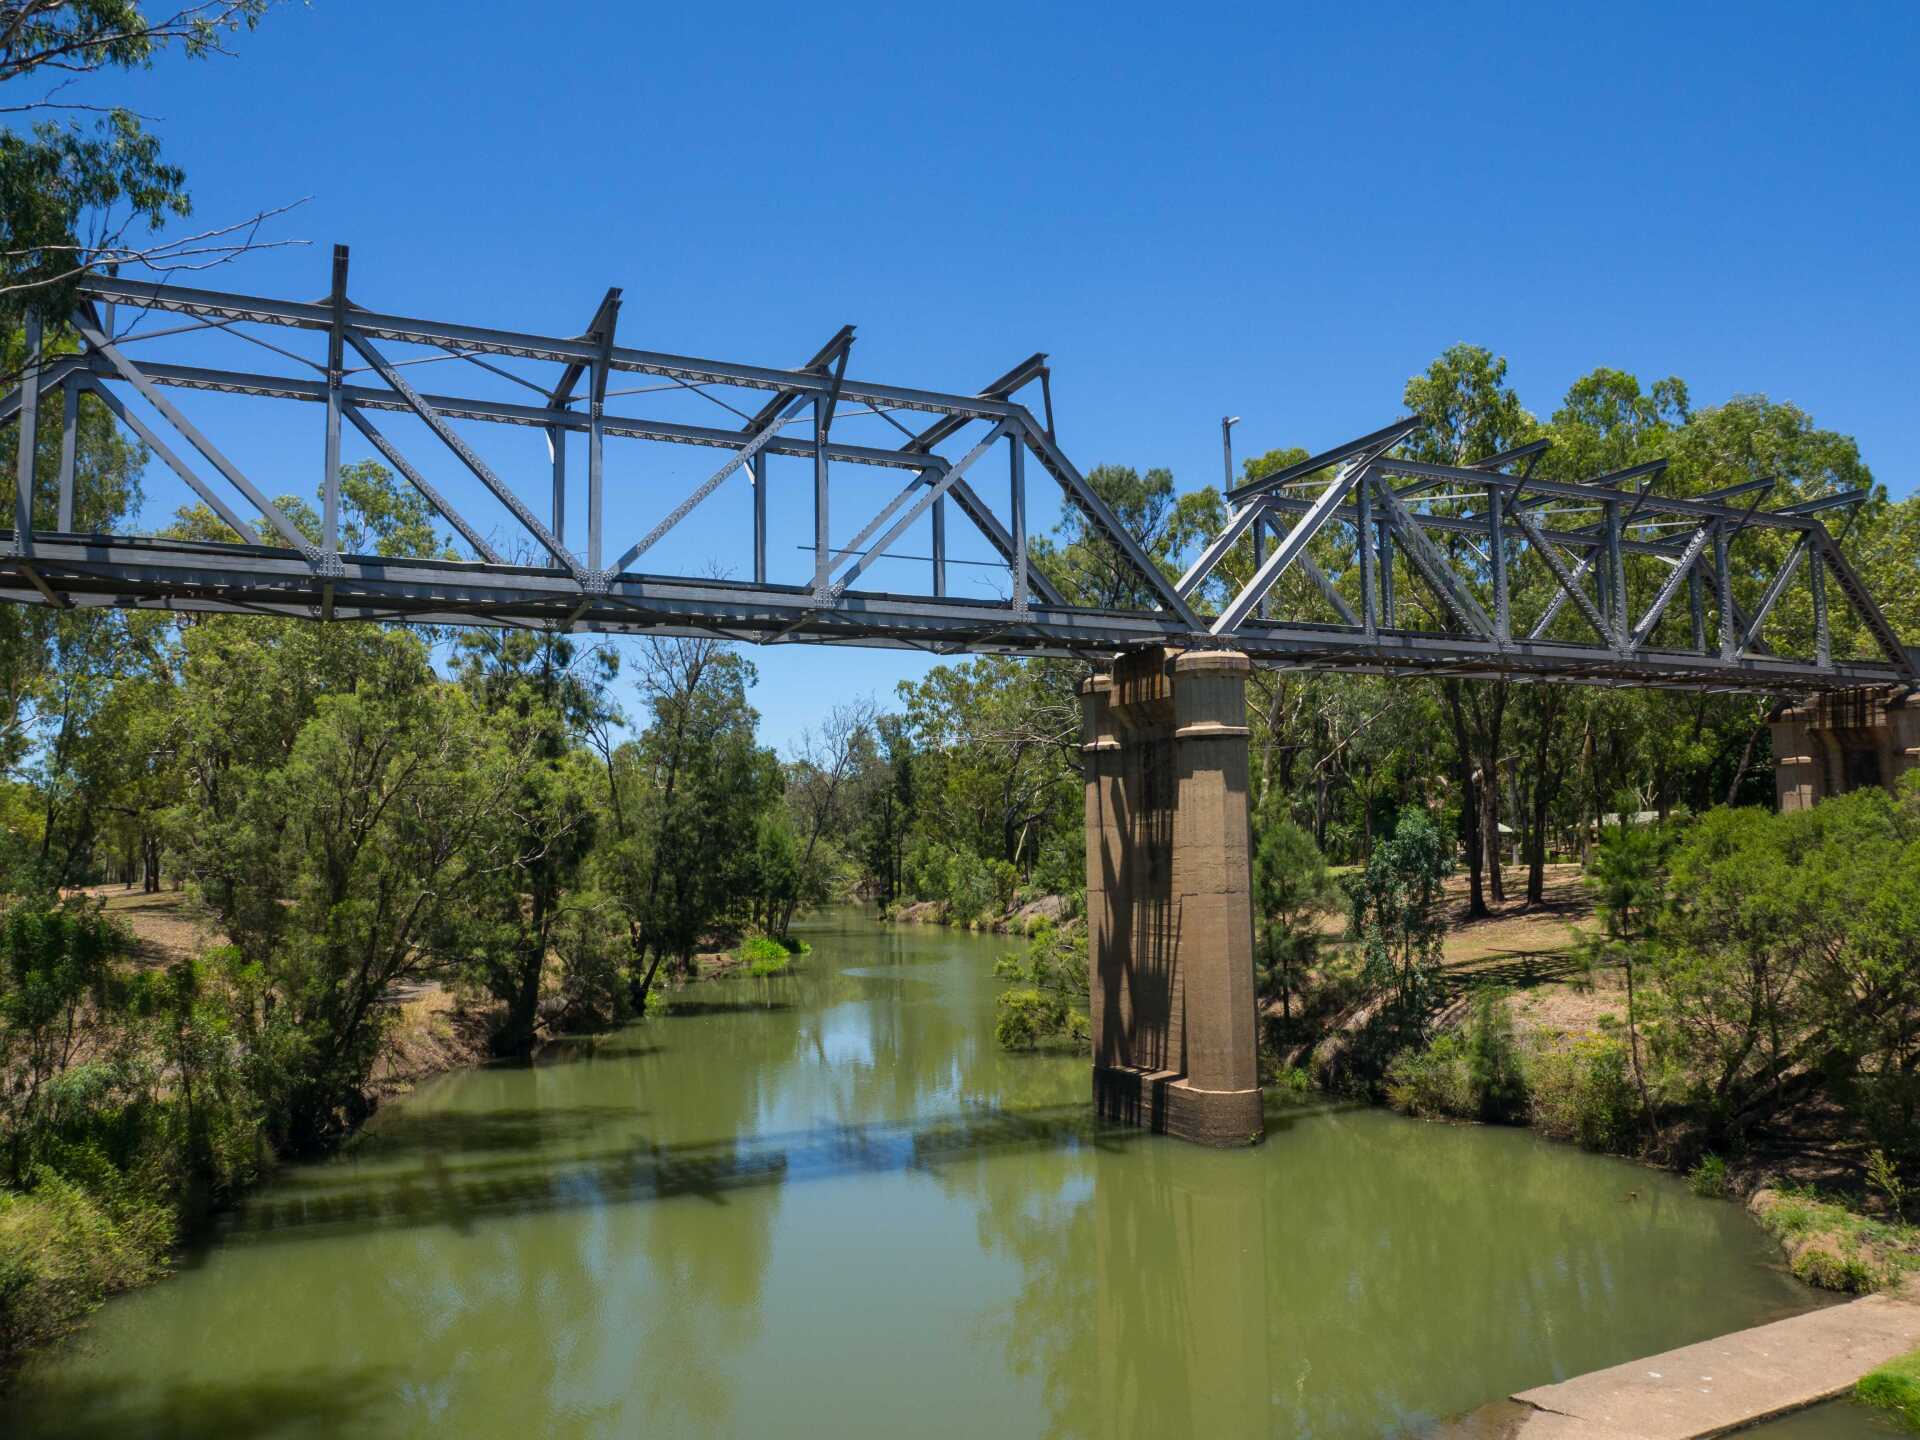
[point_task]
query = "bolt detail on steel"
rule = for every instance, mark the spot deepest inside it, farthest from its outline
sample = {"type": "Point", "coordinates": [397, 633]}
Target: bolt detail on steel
{"type": "Point", "coordinates": [1639, 587]}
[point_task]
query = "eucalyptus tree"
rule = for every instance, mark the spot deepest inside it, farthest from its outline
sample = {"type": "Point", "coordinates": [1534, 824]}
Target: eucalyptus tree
{"type": "Point", "coordinates": [542, 696]}
{"type": "Point", "coordinates": [691, 790]}
{"type": "Point", "coordinates": [85, 185]}
{"type": "Point", "coordinates": [819, 785]}
{"type": "Point", "coordinates": [1090, 570]}
{"type": "Point", "coordinates": [1470, 413]}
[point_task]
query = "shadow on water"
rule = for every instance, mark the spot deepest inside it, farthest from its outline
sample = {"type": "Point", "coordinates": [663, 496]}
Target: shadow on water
{"type": "Point", "coordinates": [437, 1192]}
{"type": "Point", "coordinates": [682, 1009]}
{"type": "Point", "coordinates": [317, 1403]}
{"type": "Point", "coordinates": [442, 1132]}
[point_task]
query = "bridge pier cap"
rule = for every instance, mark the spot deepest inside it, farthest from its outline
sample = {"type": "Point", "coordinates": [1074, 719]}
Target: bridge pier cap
{"type": "Point", "coordinates": [1169, 911]}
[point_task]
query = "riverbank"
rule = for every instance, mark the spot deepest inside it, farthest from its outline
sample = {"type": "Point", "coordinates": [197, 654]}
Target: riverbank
{"type": "Point", "coordinates": [1023, 918]}
{"type": "Point", "coordinates": [127, 1197]}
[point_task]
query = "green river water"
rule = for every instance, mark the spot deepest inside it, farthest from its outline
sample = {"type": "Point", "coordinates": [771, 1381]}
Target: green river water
{"type": "Point", "coordinates": [827, 1204]}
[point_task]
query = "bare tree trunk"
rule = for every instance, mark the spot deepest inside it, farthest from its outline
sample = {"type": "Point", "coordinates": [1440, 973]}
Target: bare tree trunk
{"type": "Point", "coordinates": [1746, 755]}
{"type": "Point", "coordinates": [1469, 799]}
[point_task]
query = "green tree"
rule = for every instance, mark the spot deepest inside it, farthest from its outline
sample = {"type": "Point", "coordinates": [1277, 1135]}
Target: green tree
{"type": "Point", "coordinates": [1047, 992]}
{"type": "Point", "coordinates": [1628, 876]}
{"type": "Point", "coordinates": [542, 697]}
{"type": "Point", "coordinates": [1396, 912]}
{"type": "Point", "coordinates": [1291, 891]}
{"type": "Point", "coordinates": [73, 197]}
{"type": "Point", "coordinates": [1091, 570]}
{"type": "Point", "coordinates": [691, 790]}
{"type": "Point", "coordinates": [334, 848]}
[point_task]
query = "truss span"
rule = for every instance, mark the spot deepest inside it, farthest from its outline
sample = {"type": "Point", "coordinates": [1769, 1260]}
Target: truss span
{"type": "Point", "coordinates": [1358, 559]}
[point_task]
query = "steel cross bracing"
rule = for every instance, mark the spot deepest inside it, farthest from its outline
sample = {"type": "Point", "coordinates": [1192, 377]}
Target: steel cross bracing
{"type": "Point", "coordinates": [545, 579]}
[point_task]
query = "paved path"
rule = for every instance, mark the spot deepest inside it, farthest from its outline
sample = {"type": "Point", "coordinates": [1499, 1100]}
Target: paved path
{"type": "Point", "coordinates": [1720, 1385]}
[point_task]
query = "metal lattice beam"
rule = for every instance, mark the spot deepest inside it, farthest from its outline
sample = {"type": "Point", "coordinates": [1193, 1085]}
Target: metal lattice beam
{"type": "Point", "coordinates": [1347, 490]}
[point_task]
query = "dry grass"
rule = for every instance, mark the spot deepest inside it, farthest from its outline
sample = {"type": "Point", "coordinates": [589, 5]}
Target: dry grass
{"type": "Point", "coordinates": [165, 926]}
{"type": "Point", "coordinates": [433, 1030]}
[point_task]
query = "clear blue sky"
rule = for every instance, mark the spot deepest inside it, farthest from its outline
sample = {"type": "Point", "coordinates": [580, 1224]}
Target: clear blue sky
{"type": "Point", "coordinates": [1276, 211]}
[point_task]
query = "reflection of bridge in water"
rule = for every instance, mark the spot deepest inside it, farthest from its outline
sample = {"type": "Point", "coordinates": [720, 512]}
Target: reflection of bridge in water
{"type": "Point", "coordinates": [492, 1175]}
{"type": "Point", "coordinates": [1318, 566]}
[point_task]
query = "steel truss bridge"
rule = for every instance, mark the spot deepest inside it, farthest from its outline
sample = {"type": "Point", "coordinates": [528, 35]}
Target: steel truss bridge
{"type": "Point", "coordinates": [1644, 582]}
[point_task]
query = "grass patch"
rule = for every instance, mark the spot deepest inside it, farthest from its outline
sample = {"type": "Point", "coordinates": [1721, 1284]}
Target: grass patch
{"type": "Point", "coordinates": [1835, 1248]}
{"type": "Point", "coordinates": [766, 956]}
{"type": "Point", "coordinates": [1895, 1388]}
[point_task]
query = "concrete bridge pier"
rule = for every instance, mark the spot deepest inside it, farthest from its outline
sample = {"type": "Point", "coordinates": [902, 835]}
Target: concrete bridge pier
{"type": "Point", "coordinates": [1169, 913]}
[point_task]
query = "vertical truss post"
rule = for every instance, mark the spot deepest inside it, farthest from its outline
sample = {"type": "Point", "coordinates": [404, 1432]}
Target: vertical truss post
{"type": "Point", "coordinates": [1616, 573]}
{"type": "Point", "coordinates": [1723, 592]}
{"type": "Point", "coordinates": [596, 453]}
{"type": "Point", "coordinates": [1259, 559]}
{"type": "Point", "coordinates": [759, 476]}
{"type": "Point", "coordinates": [1363, 552]}
{"type": "Point", "coordinates": [1017, 487]}
{"type": "Point", "coordinates": [1697, 602]}
{"type": "Point", "coordinates": [1822, 631]}
{"type": "Point", "coordinates": [600, 331]}
{"type": "Point", "coordinates": [69, 440]}
{"type": "Point", "coordinates": [1388, 617]}
{"type": "Point", "coordinates": [1497, 557]}
{"type": "Point", "coordinates": [940, 548]}
{"type": "Point", "coordinates": [822, 557]}
{"type": "Point", "coordinates": [1864, 605]}
{"type": "Point", "coordinates": [29, 431]}
{"type": "Point", "coordinates": [330, 463]}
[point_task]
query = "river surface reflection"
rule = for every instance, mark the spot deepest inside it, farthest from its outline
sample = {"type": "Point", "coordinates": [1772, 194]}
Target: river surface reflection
{"type": "Point", "coordinates": [828, 1204]}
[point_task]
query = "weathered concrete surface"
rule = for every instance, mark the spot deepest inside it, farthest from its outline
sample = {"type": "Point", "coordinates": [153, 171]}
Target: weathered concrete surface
{"type": "Point", "coordinates": [1719, 1386]}
{"type": "Point", "coordinates": [1169, 915]}
{"type": "Point", "coordinates": [1844, 741]}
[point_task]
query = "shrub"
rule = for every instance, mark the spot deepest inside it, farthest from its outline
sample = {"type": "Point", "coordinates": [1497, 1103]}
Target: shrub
{"type": "Point", "coordinates": [1290, 1082]}
{"type": "Point", "coordinates": [1708, 1179]}
{"type": "Point", "coordinates": [971, 887]}
{"type": "Point", "coordinates": [1846, 1269]}
{"type": "Point", "coordinates": [1584, 1094]}
{"type": "Point", "coordinates": [1433, 1082]}
{"type": "Point", "coordinates": [1493, 1060]}
{"type": "Point", "coordinates": [1025, 1017]}
{"type": "Point", "coordinates": [1883, 1177]}
{"type": "Point", "coordinates": [1049, 989]}
{"type": "Point", "coordinates": [63, 1250]}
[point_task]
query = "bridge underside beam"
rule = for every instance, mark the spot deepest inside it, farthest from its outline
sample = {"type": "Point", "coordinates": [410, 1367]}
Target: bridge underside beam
{"type": "Point", "coordinates": [150, 573]}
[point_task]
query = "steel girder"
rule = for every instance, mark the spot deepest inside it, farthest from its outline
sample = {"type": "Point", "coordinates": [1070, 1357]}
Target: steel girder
{"type": "Point", "coordinates": [1372, 516]}
{"type": "Point", "coordinates": [275, 568]}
